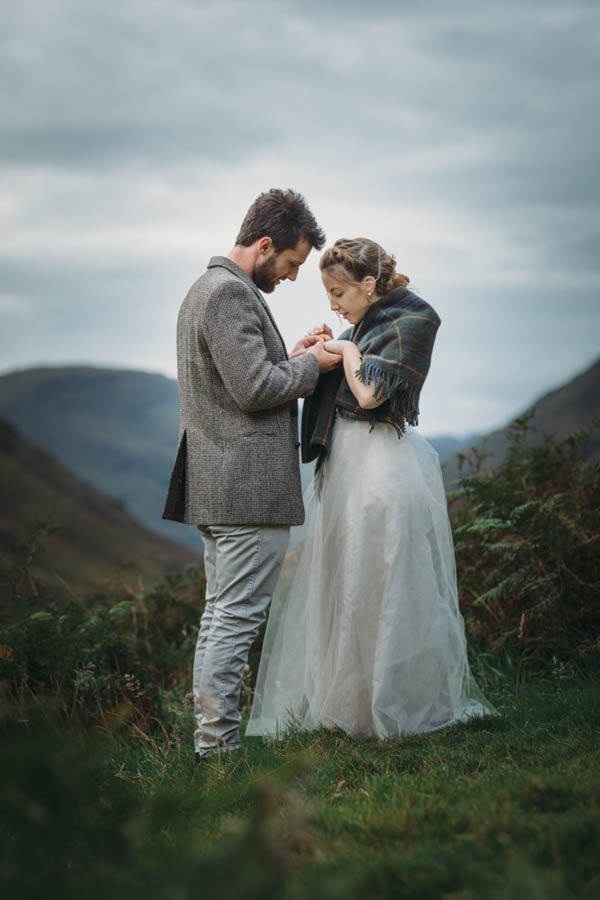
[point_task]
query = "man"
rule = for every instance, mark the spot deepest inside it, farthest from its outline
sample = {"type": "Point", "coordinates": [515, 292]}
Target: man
{"type": "Point", "coordinates": [236, 474]}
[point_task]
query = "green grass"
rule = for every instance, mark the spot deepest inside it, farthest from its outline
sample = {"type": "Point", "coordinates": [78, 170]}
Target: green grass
{"type": "Point", "coordinates": [496, 808]}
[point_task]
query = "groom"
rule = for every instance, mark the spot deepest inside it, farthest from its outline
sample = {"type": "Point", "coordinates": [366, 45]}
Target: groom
{"type": "Point", "coordinates": [236, 473]}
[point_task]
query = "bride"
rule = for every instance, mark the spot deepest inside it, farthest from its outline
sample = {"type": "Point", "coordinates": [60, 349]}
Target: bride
{"type": "Point", "coordinates": [366, 633]}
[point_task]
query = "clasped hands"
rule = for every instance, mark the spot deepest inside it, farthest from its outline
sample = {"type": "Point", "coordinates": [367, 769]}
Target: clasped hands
{"type": "Point", "coordinates": [319, 341]}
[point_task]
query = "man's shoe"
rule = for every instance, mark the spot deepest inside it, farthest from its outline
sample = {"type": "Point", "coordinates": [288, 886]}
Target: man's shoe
{"type": "Point", "coordinates": [211, 754]}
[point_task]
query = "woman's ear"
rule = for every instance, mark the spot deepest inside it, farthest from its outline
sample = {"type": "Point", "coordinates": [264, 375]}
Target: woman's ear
{"type": "Point", "coordinates": [369, 285]}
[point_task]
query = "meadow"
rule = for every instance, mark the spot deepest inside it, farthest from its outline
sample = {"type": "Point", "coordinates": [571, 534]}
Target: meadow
{"type": "Point", "coordinates": [100, 794]}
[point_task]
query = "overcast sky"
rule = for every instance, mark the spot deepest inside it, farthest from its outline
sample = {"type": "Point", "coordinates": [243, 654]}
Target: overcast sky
{"type": "Point", "coordinates": [462, 136]}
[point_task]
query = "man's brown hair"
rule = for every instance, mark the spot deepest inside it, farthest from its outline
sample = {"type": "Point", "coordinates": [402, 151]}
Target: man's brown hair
{"type": "Point", "coordinates": [284, 217]}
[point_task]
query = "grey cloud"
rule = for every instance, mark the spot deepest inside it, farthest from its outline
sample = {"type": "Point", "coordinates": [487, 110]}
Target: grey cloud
{"type": "Point", "coordinates": [105, 313]}
{"type": "Point", "coordinates": [73, 146]}
{"type": "Point", "coordinates": [104, 85]}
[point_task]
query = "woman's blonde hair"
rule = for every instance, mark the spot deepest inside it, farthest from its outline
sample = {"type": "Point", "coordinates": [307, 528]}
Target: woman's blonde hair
{"type": "Point", "coordinates": [356, 258]}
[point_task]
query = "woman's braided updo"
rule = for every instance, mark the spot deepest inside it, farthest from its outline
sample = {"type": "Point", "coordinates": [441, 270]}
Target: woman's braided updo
{"type": "Point", "coordinates": [356, 258]}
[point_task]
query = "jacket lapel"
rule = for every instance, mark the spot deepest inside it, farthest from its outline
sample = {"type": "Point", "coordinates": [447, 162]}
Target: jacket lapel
{"type": "Point", "coordinates": [232, 267]}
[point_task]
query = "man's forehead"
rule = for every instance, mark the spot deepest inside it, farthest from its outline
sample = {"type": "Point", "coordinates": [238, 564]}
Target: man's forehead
{"type": "Point", "coordinates": [299, 253]}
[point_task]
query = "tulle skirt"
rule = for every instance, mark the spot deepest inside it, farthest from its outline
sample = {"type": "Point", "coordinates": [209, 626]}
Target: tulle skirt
{"type": "Point", "coordinates": [365, 631]}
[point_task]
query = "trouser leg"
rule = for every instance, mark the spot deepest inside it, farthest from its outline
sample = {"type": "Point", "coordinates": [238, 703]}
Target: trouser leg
{"type": "Point", "coordinates": [210, 574]}
{"type": "Point", "coordinates": [247, 562]}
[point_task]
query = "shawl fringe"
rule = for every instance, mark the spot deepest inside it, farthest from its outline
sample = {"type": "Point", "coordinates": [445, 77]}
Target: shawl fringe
{"type": "Point", "coordinates": [404, 394]}
{"type": "Point", "coordinates": [386, 382]}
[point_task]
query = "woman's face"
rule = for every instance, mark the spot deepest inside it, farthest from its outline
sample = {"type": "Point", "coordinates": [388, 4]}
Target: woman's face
{"type": "Point", "coordinates": [348, 300]}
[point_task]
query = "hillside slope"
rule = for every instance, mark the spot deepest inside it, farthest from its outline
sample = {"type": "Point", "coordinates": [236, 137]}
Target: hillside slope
{"type": "Point", "coordinates": [97, 536]}
{"type": "Point", "coordinates": [115, 429]}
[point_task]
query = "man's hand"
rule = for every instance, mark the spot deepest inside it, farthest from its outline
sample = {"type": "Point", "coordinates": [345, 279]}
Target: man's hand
{"type": "Point", "coordinates": [327, 361]}
{"type": "Point", "coordinates": [304, 343]}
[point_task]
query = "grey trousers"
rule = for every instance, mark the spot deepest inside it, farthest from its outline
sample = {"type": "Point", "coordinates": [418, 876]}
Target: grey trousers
{"type": "Point", "coordinates": [242, 564]}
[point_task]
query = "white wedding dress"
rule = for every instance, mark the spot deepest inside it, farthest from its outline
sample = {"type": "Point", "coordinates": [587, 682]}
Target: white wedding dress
{"type": "Point", "coordinates": [365, 631]}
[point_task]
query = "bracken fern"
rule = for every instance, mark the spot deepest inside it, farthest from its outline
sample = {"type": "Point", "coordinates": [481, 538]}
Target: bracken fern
{"type": "Point", "coordinates": [527, 552]}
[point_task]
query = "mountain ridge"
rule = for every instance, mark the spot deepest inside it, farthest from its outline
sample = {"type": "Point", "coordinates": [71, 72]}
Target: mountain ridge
{"type": "Point", "coordinates": [564, 410]}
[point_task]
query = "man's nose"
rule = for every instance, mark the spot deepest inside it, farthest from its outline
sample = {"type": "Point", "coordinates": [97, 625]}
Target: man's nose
{"type": "Point", "coordinates": [291, 276]}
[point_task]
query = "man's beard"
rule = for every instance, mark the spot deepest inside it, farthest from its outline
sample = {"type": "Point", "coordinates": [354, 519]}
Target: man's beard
{"type": "Point", "coordinates": [264, 276]}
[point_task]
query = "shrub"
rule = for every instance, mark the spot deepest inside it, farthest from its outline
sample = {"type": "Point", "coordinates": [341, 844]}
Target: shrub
{"type": "Point", "coordinates": [117, 651]}
{"type": "Point", "coordinates": [527, 552]}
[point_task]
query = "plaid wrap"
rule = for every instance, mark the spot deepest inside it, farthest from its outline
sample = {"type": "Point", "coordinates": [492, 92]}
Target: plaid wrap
{"type": "Point", "coordinates": [395, 338]}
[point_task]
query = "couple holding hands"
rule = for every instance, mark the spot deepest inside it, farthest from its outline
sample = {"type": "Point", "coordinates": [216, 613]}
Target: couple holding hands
{"type": "Point", "coordinates": [366, 633]}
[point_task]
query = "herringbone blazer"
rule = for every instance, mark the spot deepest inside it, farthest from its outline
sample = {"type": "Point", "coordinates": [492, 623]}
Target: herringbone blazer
{"type": "Point", "coordinates": [237, 458]}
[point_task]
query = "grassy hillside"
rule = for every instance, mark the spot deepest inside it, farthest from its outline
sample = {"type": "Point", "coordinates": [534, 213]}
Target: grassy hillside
{"type": "Point", "coordinates": [561, 412]}
{"type": "Point", "coordinates": [501, 809]}
{"type": "Point", "coordinates": [96, 536]}
{"type": "Point", "coordinates": [116, 429]}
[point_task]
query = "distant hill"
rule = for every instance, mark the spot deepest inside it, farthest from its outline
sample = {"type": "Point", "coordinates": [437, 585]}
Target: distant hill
{"type": "Point", "coordinates": [561, 412]}
{"type": "Point", "coordinates": [96, 537]}
{"type": "Point", "coordinates": [446, 444]}
{"type": "Point", "coordinates": [116, 429]}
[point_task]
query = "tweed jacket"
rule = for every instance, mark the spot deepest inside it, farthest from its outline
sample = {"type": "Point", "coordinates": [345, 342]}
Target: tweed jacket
{"type": "Point", "coordinates": [237, 458]}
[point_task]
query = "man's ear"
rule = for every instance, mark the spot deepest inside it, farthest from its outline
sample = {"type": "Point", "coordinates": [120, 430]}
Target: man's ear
{"type": "Point", "coordinates": [264, 245]}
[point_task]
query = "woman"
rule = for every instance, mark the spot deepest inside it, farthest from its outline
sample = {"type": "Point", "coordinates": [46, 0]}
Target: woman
{"type": "Point", "coordinates": [367, 635]}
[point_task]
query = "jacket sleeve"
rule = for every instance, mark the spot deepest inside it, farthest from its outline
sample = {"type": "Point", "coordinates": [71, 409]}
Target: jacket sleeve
{"type": "Point", "coordinates": [233, 329]}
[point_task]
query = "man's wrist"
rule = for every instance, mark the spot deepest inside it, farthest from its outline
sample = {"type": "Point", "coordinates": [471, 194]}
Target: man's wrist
{"type": "Point", "coordinates": [314, 372]}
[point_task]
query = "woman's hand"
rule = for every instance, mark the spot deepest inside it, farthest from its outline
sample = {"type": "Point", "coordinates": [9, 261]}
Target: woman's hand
{"type": "Point", "coordinates": [323, 331]}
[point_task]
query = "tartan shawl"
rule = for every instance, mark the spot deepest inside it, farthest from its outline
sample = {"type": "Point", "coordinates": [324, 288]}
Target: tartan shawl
{"type": "Point", "coordinates": [395, 338]}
